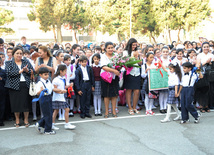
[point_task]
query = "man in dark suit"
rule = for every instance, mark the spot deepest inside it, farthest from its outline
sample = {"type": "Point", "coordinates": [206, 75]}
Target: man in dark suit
{"type": "Point", "coordinates": [84, 83]}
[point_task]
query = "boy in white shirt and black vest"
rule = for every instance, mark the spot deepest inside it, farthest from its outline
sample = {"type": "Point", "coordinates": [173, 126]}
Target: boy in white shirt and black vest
{"type": "Point", "coordinates": [84, 83]}
{"type": "Point", "coordinates": [187, 94]}
{"type": "Point", "coordinates": [45, 102]}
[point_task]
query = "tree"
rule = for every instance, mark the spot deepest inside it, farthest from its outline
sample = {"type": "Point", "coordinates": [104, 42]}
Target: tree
{"type": "Point", "coordinates": [146, 21]}
{"type": "Point", "coordinates": [181, 14]}
{"type": "Point", "coordinates": [76, 17]}
{"type": "Point", "coordinates": [50, 14]}
{"type": "Point", "coordinates": [6, 17]}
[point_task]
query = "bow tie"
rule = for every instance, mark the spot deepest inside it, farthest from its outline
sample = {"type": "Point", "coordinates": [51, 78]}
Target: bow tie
{"type": "Point", "coordinates": [46, 81]}
{"type": "Point", "coordinates": [186, 73]}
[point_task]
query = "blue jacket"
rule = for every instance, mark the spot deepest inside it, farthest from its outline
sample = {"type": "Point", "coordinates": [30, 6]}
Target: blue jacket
{"type": "Point", "coordinates": [79, 78]}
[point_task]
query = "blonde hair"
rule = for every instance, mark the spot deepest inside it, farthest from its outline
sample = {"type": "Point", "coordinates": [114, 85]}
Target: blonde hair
{"type": "Point", "coordinates": [45, 49]}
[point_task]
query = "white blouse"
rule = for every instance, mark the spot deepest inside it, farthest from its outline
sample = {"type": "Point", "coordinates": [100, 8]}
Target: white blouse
{"type": "Point", "coordinates": [143, 69]}
{"type": "Point", "coordinates": [166, 62]}
{"type": "Point", "coordinates": [104, 61]}
{"type": "Point", "coordinates": [58, 81]}
{"type": "Point", "coordinates": [173, 79]}
{"type": "Point", "coordinates": [204, 57]}
{"type": "Point", "coordinates": [22, 78]}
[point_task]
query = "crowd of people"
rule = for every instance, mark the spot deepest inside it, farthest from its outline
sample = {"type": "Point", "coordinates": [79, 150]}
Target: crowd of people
{"type": "Point", "coordinates": [68, 80]}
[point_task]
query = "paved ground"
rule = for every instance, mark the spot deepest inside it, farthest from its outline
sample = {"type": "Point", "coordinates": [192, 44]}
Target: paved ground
{"type": "Point", "coordinates": [138, 135]}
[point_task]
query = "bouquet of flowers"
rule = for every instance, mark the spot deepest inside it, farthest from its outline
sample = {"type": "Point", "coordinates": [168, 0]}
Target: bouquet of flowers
{"type": "Point", "coordinates": [127, 62]}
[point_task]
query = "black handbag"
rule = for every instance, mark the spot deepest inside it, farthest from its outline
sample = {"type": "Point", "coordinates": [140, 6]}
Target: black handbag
{"type": "Point", "coordinates": [201, 83]}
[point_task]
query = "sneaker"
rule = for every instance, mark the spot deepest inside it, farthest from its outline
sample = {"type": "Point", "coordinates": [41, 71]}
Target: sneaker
{"type": "Point", "coordinates": [109, 110]}
{"type": "Point", "coordinates": [197, 119]}
{"type": "Point", "coordinates": [165, 120]}
{"type": "Point", "coordinates": [63, 118]}
{"type": "Point", "coordinates": [34, 118]}
{"type": "Point", "coordinates": [60, 119]}
{"type": "Point", "coordinates": [184, 121]}
{"type": "Point", "coordinates": [177, 118]}
{"type": "Point", "coordinates": [151, 112]}
{"type": "Point", "coordinates": [38, 129]}
{"type": "Point", "coordinates": [50, 133]}
{"type": "Point", "coordinates": [54, 127]}
{"type": "Point", "coordinates": [69, 126]}
{"type": "Point", "coordinates": [147, 113]}
{"type": "Point", "coordinates": [71, 114]}
{"type": "Point", "coordinates": [117, 111]}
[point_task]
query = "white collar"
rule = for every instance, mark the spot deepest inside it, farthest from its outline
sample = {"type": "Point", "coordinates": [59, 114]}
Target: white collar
{"type": "Point", "coordinates": [96, 65]}
{"type": "Point", "coordinates": [83, 67]}
{"type": "Point", "coordinates": [43, 80]}
{"type": "Point", "coordinates": [61, 77]}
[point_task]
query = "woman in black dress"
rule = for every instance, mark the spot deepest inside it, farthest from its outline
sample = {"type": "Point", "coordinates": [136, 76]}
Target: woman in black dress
{"type": "Point", "coordinates": [18, 72]}
{"type": "Point", "coordinates": [110, 91]}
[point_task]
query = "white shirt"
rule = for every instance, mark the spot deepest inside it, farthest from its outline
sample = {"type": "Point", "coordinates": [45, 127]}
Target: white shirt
{"type": "Point", "coordinates": [143, 70]}
{"type": "Point", "coordinates": [178, 61]}
{"type": "Point", "coordinates": [104, 61]}
{"type": "Point", "coordinates": [22, 78]}
{"type": "Point", "coordinates": [85, 73]}
{"type": "Point", "coordinates": [70, 74]}
{"type": "Point", "coordinates": [186, 79]}
{"type": "Point", "coordinates": [166, 62]}
{"type": "Point", "coordinates": [58, 81]}
{"type": "Point", "coordinates": [204, 57]}
{"type": "Point", "coordinates": [48, 85]}
{"type": "Point", "coordinates": [173, 79]}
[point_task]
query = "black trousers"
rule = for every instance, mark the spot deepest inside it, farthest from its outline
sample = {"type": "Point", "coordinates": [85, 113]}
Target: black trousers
{"type": "Point", "coordinates": [2, 104]}
{"type": "Point", "coordinates": [46, 120]}
{"type": "Point", "coordinates": [85, 98]}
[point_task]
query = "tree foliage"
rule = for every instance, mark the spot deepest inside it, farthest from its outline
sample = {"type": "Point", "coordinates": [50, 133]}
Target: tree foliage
{"type": "Point", "coordinates": [6, 17]}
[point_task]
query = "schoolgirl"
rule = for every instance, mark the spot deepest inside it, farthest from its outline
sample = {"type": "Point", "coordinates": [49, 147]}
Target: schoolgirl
{"type": "Point", "coordinates": [179, 58]}
{"type": "Point", "coordinates": [163, 94]}
{"type": "Point", "coordinates": [59, 60]}
{"type": "Point", "coordinates": [97, 92]}
{"type": "Point", "coordinates": [144, 74]}
{"type": "Point", "coordinates": [192, 57]}
{"type": "Point", "coordinates": [70, 76]}
{"type": "Point", "coordinates": [58, 100]}
{"type": "Point", "coordinates": [174, 91]}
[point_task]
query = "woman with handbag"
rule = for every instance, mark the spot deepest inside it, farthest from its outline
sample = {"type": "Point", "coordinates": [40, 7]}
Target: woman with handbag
{"type": "Point", "coordinates": [202, 87]}
{"type": "Point", "coordinates": [132, 81]}
{"type": "Point", "coordinates": [18, 72]}
{"type": "Point", "coordinates": [109, 91]}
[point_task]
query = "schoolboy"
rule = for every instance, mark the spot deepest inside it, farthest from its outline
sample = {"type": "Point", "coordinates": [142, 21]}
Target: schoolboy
{"type": "Point", "coordinates": [9, 54]}
{"type": "Point", "coordinates": [187, 93]}
{"type": "Point", "coordinates": [45, 102]}
{"type": "Point", "coordinates": [2, 56]}
{"type": "Point", "coordinates": [84, 83]}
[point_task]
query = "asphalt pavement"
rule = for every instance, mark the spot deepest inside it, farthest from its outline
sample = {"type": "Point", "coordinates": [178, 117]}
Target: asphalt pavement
{"type": "Point", "coordinates": [125, 135]}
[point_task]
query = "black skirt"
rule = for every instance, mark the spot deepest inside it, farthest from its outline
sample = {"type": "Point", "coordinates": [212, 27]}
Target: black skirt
{"type": "Point", "coordinates": [110, 89]}
{"type": "Point", "coordinates": [132, 82]}
{"type": "Point", "coordinates": [20, 100]}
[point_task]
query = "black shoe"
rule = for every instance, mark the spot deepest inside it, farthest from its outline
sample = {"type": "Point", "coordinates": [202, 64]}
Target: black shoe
{"type": "Point", "coordinates": [88, 115]}
{"type": "Point", "coordinates": [1, 124]}
{"type": "Point", "coordinates": [82, 116]}
{"type": "Point", "coordinates": [165, 111]}
{"type": "Point", "coordinates": [100, 114]}
{"type": "Point", "coordinates": [96, 114]}
{"type": "Point", "coordinates": [162, 111]}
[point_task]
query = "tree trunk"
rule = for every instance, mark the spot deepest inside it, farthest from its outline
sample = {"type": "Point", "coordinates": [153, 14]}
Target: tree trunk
{"type": "Point", "coordinates": [75, 36]}
{"type": "Point", "coordinates": [179, 35]}
{"type": "Point", "coordinates": [118, 37]}
{"type": "Point", "coordinates": [59, 33]}
{"type": "Point", "coordinates": [170, 39]}
{"type": "Point", "coordinates": [54, 31]}
{"type": "Point", "coordinates": [153, 37]}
